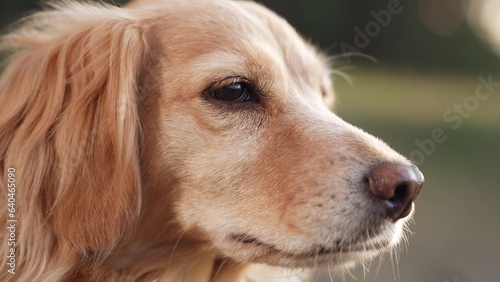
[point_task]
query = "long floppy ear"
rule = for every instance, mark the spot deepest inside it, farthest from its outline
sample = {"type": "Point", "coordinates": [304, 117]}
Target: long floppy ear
{"type": "Point", "coordinates": [69, 122]}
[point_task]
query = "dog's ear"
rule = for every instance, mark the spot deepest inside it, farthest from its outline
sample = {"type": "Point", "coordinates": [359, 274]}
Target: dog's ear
{"type": "Point", "coordinates": [69, 122]}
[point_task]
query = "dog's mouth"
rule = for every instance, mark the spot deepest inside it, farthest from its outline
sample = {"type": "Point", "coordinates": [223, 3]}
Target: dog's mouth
{"type": "Point", "coordinates": [316, 251]}
{"type": "Point", "coordinates": [338, 253]}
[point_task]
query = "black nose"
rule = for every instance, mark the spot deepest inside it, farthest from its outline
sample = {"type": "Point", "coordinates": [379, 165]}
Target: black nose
{"type": "Point", "coordinates": [396, 186]}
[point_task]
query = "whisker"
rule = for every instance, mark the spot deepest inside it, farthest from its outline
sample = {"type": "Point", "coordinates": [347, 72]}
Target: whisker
{"type": "Point", "coordinates": [330, 273]}
{"type": "Point", "coordinates": [348, 271]}
{"type": "Point", "coordinates": [338, 72]}
{"type": "Point", "coordinates": [395, 272]}
{"type": "Point", "coordinates": [351, 54]}
{"type": "Point", "coordinates": [173, 249]}
{"type": "Point", "coordinates": [382, 258]}
{"type": "Point", "coordinates": [219, 268]}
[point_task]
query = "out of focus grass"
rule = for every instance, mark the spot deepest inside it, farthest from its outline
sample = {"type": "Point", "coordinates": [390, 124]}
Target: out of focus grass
{"type": "Point", "coordinates": [457, 230]}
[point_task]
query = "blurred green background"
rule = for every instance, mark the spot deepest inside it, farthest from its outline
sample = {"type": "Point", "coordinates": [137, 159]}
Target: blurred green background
{"type": "Point", "coordinates": [431, 58]}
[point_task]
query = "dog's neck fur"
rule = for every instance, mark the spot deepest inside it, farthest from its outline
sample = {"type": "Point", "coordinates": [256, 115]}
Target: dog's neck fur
{"type": "Point", "coordinates": [169, 263]}
{"type": "Point", "coordinates": [193, 263]}
{"type": "Point", "coordinates": [178, 259]}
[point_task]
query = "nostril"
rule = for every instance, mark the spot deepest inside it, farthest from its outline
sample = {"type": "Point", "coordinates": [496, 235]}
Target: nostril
{"type": "Point", "coordinates": [400, 195]}
{"type": "Point", "coordinates": [395, 186]}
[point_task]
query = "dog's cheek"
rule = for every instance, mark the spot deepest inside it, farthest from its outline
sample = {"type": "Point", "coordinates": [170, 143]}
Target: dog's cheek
{"type": "Point", "coordinates": [213, 183]}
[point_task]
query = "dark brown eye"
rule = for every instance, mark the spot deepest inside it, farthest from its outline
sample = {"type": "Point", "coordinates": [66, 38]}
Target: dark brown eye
{"type": "Point", "coordinates": [234, 93]}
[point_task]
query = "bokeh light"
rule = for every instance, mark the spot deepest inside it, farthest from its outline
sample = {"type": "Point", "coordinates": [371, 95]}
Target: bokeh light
{"type": "Point", "coordinates": [484, 17]}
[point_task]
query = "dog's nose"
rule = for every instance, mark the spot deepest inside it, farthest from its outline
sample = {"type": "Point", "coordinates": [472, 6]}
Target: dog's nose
{"type": "Point", "coordinates": [396, 186]}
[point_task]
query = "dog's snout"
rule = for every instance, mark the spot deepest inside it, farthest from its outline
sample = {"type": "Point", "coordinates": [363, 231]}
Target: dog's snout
{"type": "Point", "coordinates": [396, 186]}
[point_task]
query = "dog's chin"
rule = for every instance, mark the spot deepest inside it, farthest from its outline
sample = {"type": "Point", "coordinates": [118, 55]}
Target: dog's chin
{"type": "Point", "coordinates": [315, 257]}
{"type": "Point", "coordinates": [245, 248]}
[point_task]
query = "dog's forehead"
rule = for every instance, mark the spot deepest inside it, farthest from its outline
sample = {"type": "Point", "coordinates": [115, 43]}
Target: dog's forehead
{"type": "Point", "coordinates": [239, 28]}
{"type": "Point", "coordinates": [298, 54]}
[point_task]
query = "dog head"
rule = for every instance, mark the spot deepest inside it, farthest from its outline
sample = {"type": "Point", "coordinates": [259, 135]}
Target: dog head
{"type": "Point", "coordinates": [202, 121]}
{"type": "Point", "coordinates": [264, 170]}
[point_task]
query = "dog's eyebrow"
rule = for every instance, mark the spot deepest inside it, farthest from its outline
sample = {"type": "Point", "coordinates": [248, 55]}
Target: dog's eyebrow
{"type": "Point", "coordinates": [260, 59]}
{"type": "Point", "coordinates": [220, 60]}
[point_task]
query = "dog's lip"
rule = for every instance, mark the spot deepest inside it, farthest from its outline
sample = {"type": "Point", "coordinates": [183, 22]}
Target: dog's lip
{"type": "Point", "coordinates": [406, 211]}
{"type": "Point", "coordinates": [317, 251]}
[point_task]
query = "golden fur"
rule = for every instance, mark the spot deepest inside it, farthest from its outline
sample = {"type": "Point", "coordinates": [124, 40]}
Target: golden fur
{"type": "Point", "coordinates": [126, 171]}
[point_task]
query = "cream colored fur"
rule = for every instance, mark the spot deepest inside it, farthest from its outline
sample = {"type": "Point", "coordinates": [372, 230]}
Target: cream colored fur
{"type": "Point", "coordinates": [127, 171]}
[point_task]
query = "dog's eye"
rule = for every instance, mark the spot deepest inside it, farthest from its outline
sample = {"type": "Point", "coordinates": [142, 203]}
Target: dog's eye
{"type": "Point", "coordinates": [237, 92]}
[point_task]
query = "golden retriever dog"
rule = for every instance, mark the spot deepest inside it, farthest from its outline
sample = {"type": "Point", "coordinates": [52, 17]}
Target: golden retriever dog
{"type": "Point", "coordinates": [183, 140]}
